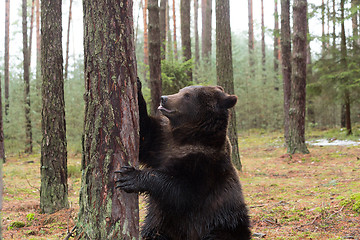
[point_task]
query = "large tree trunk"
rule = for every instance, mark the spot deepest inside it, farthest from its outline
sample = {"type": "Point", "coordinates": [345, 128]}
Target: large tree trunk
{"type": "Point", "coordinates": [286, 62]}
{"type": "Point", "coordinates": [28, 130]}
{"type": "Point", "coordinates": [224, 69]}
{"type": "Point", "coordinates": [196, 32]}
{"type": "Point", "coordinates": [344, 64]}
{"type": "Point", "coordinates": [251, 39]}
{"type": "Point", "coordinates": [298, 81]}
{"type": "Point", "coordinates": [162, 20]}
{"type": "Point", "coordinates": [7, 45]}
{"type": "Point", "coordinates": [185, 32]}
{"type": "Point", "coordinates": [154, 56]}
{"type": "Point", "coordinates": [67, 43]}
{"type": "Point", "coordinates": [54, 188]}
{"type": "Point", "coordinates": [206, 12]}
{"type": "Point", "coordinates": [175, 40]}
{"type": "Point", "coordinates": [111, 131]}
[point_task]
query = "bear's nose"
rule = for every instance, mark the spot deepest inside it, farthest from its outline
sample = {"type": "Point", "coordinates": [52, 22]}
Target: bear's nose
{"type": "Point", "coordinates": [163, 99]}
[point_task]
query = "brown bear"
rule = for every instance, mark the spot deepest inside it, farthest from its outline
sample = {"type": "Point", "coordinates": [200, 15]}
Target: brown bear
{"type": "Point", "coordinates": [192, 188]}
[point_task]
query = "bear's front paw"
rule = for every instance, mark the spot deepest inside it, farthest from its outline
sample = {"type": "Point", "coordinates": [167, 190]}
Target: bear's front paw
{"type": "Point", "coordinates": [129, 180]}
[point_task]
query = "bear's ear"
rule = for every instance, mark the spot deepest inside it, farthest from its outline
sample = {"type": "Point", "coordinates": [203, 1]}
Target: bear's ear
{"type": "Point", "coordinates": [228, 101]}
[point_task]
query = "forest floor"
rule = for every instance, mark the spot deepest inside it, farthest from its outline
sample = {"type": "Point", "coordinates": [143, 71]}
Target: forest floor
{"type": "Point", "coordinates": [313, 196]}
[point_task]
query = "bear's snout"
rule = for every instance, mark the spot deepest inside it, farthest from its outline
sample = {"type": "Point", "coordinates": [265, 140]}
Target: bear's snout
{"type": "Point", "coordinates": [163, 99]}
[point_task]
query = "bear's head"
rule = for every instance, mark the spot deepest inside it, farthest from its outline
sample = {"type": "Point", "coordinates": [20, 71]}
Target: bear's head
{"type": "Point", "coordinates": [198, 107]}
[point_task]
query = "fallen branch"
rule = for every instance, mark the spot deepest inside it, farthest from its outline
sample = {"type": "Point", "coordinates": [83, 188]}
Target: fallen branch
{"type": "Point", "coordinates": [70, 234]}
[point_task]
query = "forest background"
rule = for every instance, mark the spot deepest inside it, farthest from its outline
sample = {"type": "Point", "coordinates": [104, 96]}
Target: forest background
{"type": "Point", "coordinates": [260, 97]}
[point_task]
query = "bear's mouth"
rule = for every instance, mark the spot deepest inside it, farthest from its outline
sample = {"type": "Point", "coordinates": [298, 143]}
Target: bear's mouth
{"type": "Point", "coordinates": [164, 109]}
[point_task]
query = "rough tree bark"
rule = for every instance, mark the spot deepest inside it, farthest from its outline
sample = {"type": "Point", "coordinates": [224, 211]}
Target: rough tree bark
{"type": "Point", "coordinates": [298, 81]}
{"type": "Point", "coordinates": [54, 188]}
{"type": "Point", "coordinates": [154, 55]}
{"type": "Point", "coordinates": [206, 12]}
{"type": "Point", "coordinates": [162, 25]}
{"type": "Point", "coordinates": [26, 64]}
{"type": "Point", "coordinates": [67, 43]}
{"type": "Point", "coordinates": [111, 130]}
{"type": "Point", "coordinates": [224, 69]}
{"type": "Point", "coordinates": [7, 45]}
{"type": "Point", "coordinates": [185, 32]}
{"type": "Point", "coordinates": [286, 62]}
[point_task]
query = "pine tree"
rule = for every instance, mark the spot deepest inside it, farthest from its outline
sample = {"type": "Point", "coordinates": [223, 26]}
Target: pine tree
{"type": "Point", "coordinates": [54, 188]}
{"type": "Point", "coordinates": [111, 130]}
{"type": "Point", "coordinates": [67, 42]}
{"type": "Point", "coordinates": [26, 64]}
{"type": "Point", "coordinates": [7, 47]}
{"type": "Point", "coordinates": [298, 80]}
{"type": "Point", "coordinates": [286, 62]}
{"type": "Point", "coordinates": [154, 55]}
{"type": "Point", "coordinates": [185, 32]}
{"type": "Point", "coordinates": [206, 12]}
{"type": "Point", "coordinates": [224, 69]}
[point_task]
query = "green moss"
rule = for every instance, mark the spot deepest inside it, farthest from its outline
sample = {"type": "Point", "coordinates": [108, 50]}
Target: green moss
{"type": "Point", "coordinates": [17, 224]}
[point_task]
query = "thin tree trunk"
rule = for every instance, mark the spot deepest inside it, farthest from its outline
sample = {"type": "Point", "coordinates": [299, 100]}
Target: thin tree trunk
{"type": "Point", "coordinates": [343, 61]}
{"type": "Point", "coordinates": [168, 31]}
{"type": "Point", "coordinates": [206, 11]}
{"type": "Point", "coordinates": [175, 41]}
{"type": "Point", "coordinates": [162, 19]}
{"type": "Point", "coordinates": [28, 130]}
{"type": "Point", "coordinates": [276, 41]}
{"type": "Point", "coordinates": [251, 39]}
{"type": "Point", "coordinates": [224, 69]}
{"type": "Point", "coordinates": [334, 25]}
{"type": "Point", "coordinates": [354, 4]}
{"type": "Point", "coordinates": [67, 43]}
{"type": "Point", "coordinates": [146, 49]}
{"type": "Point", "coordinates": [111, 130]}
{"type": "Point", "coordinates": [196, 32]}
{"type": "Point", "coordinates": [185, 32]}
{"type": "Point", "coordinates": [7, 46]}
{"type": "Point", "coordinates": [2, 149]}
{"type": "Point", "coordinates": [38, 46]}
{"type": "Point", "coordinates": [54, 188]}
{"type": "Point", "coordinates": [263, 59]}
{"type": "Point", "coordinates": [309, 80]}
{"type": "Point", "coordinates": [298, 82]}
{"type": "Point", "coordinates": [286, 62]}
{"type": "Point", "coordinates": [31, 30]}
{"type": "Point", "coordinates": [154, 55]}
{"type": "Point", "coordinates": [323, 38]}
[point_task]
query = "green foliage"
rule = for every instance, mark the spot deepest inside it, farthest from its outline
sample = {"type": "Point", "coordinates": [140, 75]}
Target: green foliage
{"type": "Point", "coordinates": [30, 217]}
{"type": "Point", "coordinates": [353, 202]}
{"type": "Point", "coordinates": [174, 75]}
{"type": "Point", "coordinates": [17, 224]}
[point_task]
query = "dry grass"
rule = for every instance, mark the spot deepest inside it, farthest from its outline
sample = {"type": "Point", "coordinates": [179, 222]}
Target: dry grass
{"type": "Point", "coordinates": [310, 196]}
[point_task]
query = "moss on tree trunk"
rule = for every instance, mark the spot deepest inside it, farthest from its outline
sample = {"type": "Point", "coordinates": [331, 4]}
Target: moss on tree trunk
{"type": "Point", "coordinates": [224, 69]}
{"type": "Point", "coordinates": [111, 121]}
{"type": "Point", "coordinates": [53, 191]}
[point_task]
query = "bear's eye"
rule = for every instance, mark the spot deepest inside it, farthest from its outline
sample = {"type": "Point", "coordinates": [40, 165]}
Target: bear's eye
{"type": "Point", "coordinates": [187, 96]}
